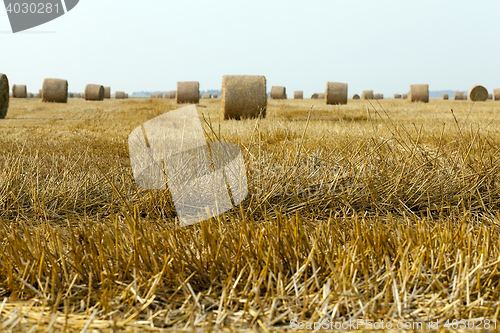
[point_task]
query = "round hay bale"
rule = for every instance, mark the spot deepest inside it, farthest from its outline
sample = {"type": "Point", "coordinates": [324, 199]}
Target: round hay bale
{"type": "Point", "coordinates": [119, 95]}
{"type": "Point", "coordinates": [36, 96]}
{"type": "Point", "coordinates": [355, 96]}
{"type": "Point", "coordinates": [445, 97]}
{"type": "Point", "coordinates": [126, 96]}
{"type": "Point", "coordinates": [172, 94]}
{"type": "Point", "coordinates": [459, 95]}
{"type": "Point", "coordinates": [188, 92]}
{"type": "Point", "coordinates": [107, 92]}
{"type": "Point", "coordinates": [397, 96]}
{"type": "Point", "coordinates": [336, 93]}
{"type": "Point", "coordinates": [243, 96]}
{"type": "Point", "coordinates": [215, 95]}
{"type": "Point", "coordinates": [496, 94]}
{"type": "Point", "coordinates": [55, 91]}
{"type": "Point", "coordinates": [19, 91]}
{"type": "Point", "coordinates": [76, 95]}
{"type": "Point", "coordinates": [419, 93]}
{"type": "Point", "coordinates": [478, 93]}
{"type": "Point", "coordinates": [490, 96]}
{"type": "Point", "coordinates": [404, 96]}
{"type": "Point", "coordinates": [378, 96]}
{"type": "Point", "coordinates": [157, 95]}
{"type": "Point", "coordinates": [321, 95]}
{"type": "Point", "coordinates": [4, 95]}
{"type": "Point", "coordinates": [367, 94]}
{"type": "Point", "coordinates": [94, 92]}
{"type": "Point", "coordinates": [207, 96]}
{"type": "Point", "coordinates": [278, 92]}
{"type": "Point", "coordinates": [298, 94]}
{"type": "Point", "coordinates": [314, 96]}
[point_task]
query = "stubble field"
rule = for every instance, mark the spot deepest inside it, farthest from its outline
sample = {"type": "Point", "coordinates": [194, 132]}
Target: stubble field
{"type": "Point", "coordinates": [376, 210]}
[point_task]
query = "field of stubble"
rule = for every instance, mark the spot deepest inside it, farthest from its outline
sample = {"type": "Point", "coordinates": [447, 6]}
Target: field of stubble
{"type": "Point", "coordinates": [377, 211]}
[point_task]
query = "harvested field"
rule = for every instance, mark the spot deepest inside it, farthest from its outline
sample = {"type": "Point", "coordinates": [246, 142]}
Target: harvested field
{"type": "Point", "coordinates": [374, 209]}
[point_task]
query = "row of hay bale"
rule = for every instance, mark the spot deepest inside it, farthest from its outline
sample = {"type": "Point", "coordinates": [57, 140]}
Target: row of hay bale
{"type": "Point", "coordinates": [56, 91]}
{"type": "Point", "coordinates": [420, 93]}
{"type": "Point", "coordinates": [173, 95]}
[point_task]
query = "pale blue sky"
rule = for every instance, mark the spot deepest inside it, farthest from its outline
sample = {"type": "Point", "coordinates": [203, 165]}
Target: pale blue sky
{"type": "Point", "coordinates": [383, 45]}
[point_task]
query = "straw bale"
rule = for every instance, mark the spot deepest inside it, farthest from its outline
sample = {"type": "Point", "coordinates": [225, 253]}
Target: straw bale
{"type": "Point", "coordinates": [94, 92]}
{"type": "Point", "coordinates": [478, 93]}
{"type": "Point", "coordinates": [243, 96]}
{"type": "Point", "coordinates": [278, 92]}
{"type": "Point", "coordinates": [367, 94]}
{"type": "Point", "coordinates": [336, 93]}
{"type": "Point", "coordinates": [188, 92]}
{"type": "Point", "coordinates": [19, 91]}
{"type": "Point", "coordinates": [55, 91]}
{"type": "Point", "coordinates": [4, 95]}
{"type": "Point", "coordinates": [419, 93]}
{"type": "Point", "coordinates": [496, 94]}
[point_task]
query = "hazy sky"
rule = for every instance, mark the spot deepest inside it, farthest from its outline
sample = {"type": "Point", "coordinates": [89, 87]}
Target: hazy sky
{"type": "Point", "coordinates": [150, 45]}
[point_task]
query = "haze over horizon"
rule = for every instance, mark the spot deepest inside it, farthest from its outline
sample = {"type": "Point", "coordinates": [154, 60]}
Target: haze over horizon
{"type": "Point", "coordinates": [384, 46]}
